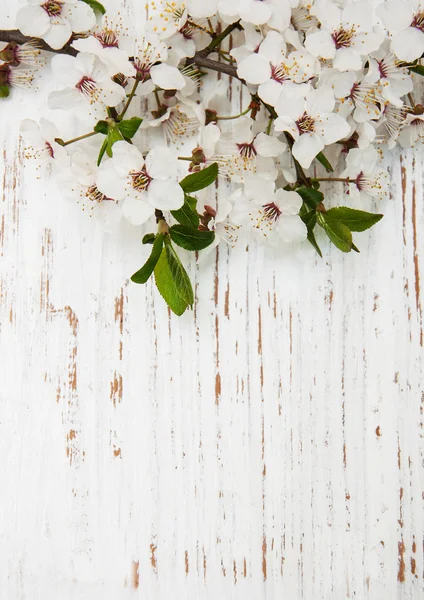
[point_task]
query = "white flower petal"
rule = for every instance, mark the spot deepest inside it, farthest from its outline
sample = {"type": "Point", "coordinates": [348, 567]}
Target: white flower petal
{"type": "Point", "coordinates": [268, 145]}
{"type": "Point", "coordinates": [67, 99]}
{"type": "Point", "coordinates": [137, 212]}
{"type": "Point", "coordinates": [111, 93]}
{"type": "Point", "coordinates": [273, 47]}
{"type": "Point", "coordinates": [166, 77]}
{"type": "Point", "coordinates": [166, 195]}
{"type": "Point", "coordinates": [31, 133]}
{"type": "Point", "coordinates": [332, 128]}
{"type": "Point", "coordinates": [320, 101]}
{"type": "Point", "coordinates": [291, 229]}
{"type": "Point", "coordinates": [396, 15]}
{"type": "Point", "coordinates": [306, 148]}
{"type": "Point", "coordinates": [320, 44]}
{"type": "Point", "coordinates": [127, 157]}
{"type": "Point", "coordinates": [58, 34]}
{"type": "Point", "coordinates": [66, 70]}
{"type": "Point", "coordinates": [270, 91]}
{"type": "Point", "coordinates": [286, 124]}
{"type": "Point", "coordinates": [110, 183]}
{"type": "Point", "coordinates": [210, 136]}
{"type": "Point", "coordinates": [254, 69]}
{"type": "Point", "coordinates": [409, 44]}
{"type": "Point", "coordinates": [255, 11]}
{"type": "Point", "coordinates": [32, 20]}
{"type": "Point", "coordinates": [289, 203]}
{"type": "Point", "coordinates": [162, 163]}
{"type": "Point", "coordinates": [80, 16]}
{"type": "Point", "coordinates": [347, 59]}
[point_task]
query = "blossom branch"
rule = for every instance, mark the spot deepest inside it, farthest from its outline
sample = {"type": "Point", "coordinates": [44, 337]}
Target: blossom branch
{"type": "Point", "coordinates": [14, 35]}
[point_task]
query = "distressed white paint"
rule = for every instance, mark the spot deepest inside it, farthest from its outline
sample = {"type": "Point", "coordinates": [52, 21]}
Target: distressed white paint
{"type": "Point", "coordinates": [265, 446]}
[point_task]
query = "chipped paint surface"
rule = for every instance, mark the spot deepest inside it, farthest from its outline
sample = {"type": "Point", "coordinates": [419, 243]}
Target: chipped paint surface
{"type": "Point", "coordinates": [265, 446]}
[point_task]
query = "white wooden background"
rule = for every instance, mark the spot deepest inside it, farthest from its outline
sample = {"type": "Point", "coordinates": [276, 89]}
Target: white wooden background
{"type": "Point", "coordinates": [266, 446]}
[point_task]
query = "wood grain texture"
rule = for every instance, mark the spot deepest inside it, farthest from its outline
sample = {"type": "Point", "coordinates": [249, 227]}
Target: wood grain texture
{"type": "Point", "coordinates": [267, 445]}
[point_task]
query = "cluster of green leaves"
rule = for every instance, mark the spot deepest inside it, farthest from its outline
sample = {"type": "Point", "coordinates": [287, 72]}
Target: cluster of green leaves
{"type": "Point", "coordinates": [115, 132]}
{"type": "Point", "coordinates": [338, 223]}
{"type": "Point", "coordinates": [170, 275]}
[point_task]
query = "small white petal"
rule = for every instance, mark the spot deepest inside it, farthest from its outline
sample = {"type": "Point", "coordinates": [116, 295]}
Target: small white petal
{"type": "Point", "coordinates": [268, 145]}
{"type": "Point", "coordinates": [289, 203]}
{"type": "Point", "coordinates": [58, 34]}
{"type": "Point", "coordinates": [166, 77]}
{"type": "Point", "coordinates": [137, 212]}
{"type": "Point", "coordinates": [80, 16]}
{"type": "Point", "coordinates": [347, 59]}
{"type": "Point", "coordinates": [320, 44]}
{"type": "Point", "coordinates": [320, 101]}
{"type": "Point", "coordinates": [32, 20]}
{"type": "Point", "coordinates": [166, 195]}
{"type": "Point", "coordinates": [409, 44]}
{"type": "Point", "coordinates": [291, 229]}
{"type": "Point", "coordinates": [110, 183]}
{"type": "Point", "coordinates": [162, 163]}
{"type": "Point", "coordinates": [306, 148]}
{"type": "Point", "coordinates": [254, 69]}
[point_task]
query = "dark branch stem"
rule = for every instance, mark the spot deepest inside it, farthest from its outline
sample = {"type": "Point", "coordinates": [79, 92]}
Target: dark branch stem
{"type": "Point", "coordinates": [14, 35]}
{"type": "Point", "coordinates": [217, 40]}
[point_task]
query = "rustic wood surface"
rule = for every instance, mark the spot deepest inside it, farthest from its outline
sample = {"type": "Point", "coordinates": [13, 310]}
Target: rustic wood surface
{"type": "Point", "coordinates": [265, 446]}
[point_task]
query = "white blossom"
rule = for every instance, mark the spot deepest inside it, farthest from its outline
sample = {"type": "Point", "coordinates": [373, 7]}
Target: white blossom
{"type": "Point", "coordinates": [310, 121]}
{"type": "Point", "coordinates": [85, 83]}
{"type": "Point", "coordinates": [404, 20]}
{"type": "Point", "coordinates": [55, 20]}
{"type": "Point", "coordinates": [143, 183]}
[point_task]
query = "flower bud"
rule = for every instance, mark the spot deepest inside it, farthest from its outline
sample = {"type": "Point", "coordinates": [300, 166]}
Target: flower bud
{"type": "Point", "coordinates": [169, 94]}
{"type": "Point", "coordinates": [8, 54]}
{"type": "Point", "coordinates": [210, 116]}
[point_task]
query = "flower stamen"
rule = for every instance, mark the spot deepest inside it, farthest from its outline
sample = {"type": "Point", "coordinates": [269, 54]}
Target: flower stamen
{"type": "Point", "coordinates": [305, 124]}
{"type": "Point", "coordinates": [140, 180]}
{"type": "Point", "coordinates": [343, 37]}
{"type": "Point", "coordinates": [53, 7]}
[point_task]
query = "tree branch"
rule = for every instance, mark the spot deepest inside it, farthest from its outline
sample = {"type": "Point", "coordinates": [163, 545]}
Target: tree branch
{"type": "Point", "coordinates": [14, 35]}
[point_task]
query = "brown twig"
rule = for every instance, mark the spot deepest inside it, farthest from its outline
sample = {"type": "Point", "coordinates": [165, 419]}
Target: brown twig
{"type": "Point", "coordinates": [14, 35]}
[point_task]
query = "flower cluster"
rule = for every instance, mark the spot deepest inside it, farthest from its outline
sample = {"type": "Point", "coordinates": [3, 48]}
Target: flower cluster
{"type": "Point", "coordinates": [329, 84]}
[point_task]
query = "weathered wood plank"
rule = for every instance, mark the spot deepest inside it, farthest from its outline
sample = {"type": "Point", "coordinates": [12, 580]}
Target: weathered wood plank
{"type": "Point", "coordinates": [267, 445]}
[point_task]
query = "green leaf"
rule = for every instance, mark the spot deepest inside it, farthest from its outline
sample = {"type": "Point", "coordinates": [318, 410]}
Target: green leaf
{"type": "Point", "coordinates": [113, 136]}
{"type": "Point", "coordinates": [419, 69]}
{"type": "Point", "coordinates": [310, 196]}
{"type": "Point", "coordinates": [191, 239]}
{"type": "Point", "coordinates": [187, 214]}
{"type": "Point", "coordinates": [149, 238]}
{"type": "Point", "coordinates": [102, 127]}
{"type": "Point", "coordinates": [310, 220]}
{"type": "Point", "coordinates": [102, 151]}
{"type": "Point", "coordinates": [356, 220]}
{"type": "Point", "coordinates": [129, 127]}
{"type": "Point", "coordinates": [200, 180]}
{"type": "Point", "coordinates": [338, 232]}
{"type": "Point", "coordinates": [324, 161]}
{"type": "Point", "coordinates": [147, 269]}
{"type": "Point", "coordinates": [172, 281]}
{"type": "Point", "coordinates": [4, 91]}
{"type": "Point", "coordinates": [96, 6]}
